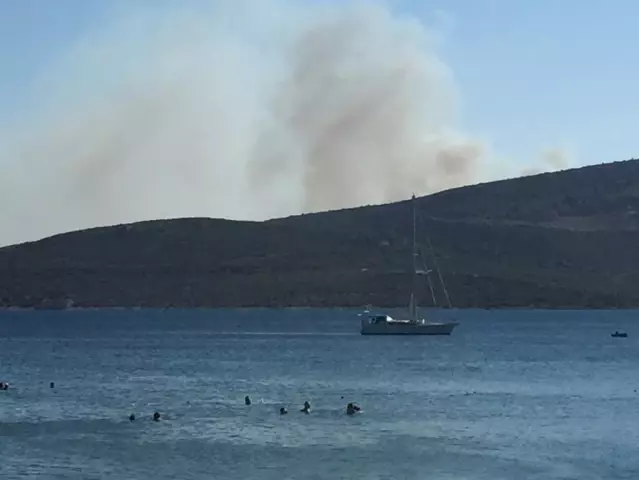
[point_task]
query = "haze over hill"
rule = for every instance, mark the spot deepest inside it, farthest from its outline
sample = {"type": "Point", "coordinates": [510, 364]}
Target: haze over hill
{"type": "Point", "coordinates": [567, 239]}
{"type": "Point", "coordinates": [238, 110]}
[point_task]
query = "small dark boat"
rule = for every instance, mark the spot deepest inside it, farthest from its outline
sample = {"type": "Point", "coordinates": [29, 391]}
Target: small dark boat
{"type": "Point", "coordinates": [619, 335]}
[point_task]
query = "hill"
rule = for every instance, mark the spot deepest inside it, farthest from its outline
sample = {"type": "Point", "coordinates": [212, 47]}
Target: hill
{"type": "Point", "coordinates": [556, 240]}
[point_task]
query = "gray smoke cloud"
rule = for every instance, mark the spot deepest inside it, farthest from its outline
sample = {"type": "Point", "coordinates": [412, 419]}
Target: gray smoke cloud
{"type": "Point", "coordinates": [244, 110]}
{"type": "Point", "coordinates": [551, 160]}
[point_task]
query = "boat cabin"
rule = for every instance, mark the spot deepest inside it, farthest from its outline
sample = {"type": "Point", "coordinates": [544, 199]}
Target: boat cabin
{"type": "Point", "coordinates": [375, 319]}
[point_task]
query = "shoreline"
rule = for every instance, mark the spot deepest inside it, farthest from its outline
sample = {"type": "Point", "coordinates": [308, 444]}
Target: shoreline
{"type": "Point", "coordinates": [294, 307]}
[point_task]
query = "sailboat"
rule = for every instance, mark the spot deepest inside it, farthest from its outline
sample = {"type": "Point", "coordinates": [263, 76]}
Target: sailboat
{"type": "Point", "coordinates": [384, 324]}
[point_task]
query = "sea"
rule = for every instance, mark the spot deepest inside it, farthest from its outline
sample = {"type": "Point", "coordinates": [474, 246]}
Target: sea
{"type": "Point", "coordinates": [512, 394]}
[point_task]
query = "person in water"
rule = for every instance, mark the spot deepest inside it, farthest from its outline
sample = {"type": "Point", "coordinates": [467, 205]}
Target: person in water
{"type": "Point", "coordinates": [132, 417]}
{"type": "Point", "coordinates": [4, 385]}
{"type": "Point", "coordinates": [352, 409]}
{"type": "Point", "coordinates": [247, 400]}
{"type": "Point", "coordinates": [307, 407]}
{"type": "Point", "coordinates": [156, 417]}
{"type": "Point", "coordinates": [283, 411]}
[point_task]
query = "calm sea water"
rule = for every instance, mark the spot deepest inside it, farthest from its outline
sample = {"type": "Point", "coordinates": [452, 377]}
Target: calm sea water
{"type": "Point", "coordinates": [510, 395]}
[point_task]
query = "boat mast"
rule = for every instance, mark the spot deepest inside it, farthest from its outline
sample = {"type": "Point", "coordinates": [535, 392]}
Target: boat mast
{"type": "Point", "coordinates": [439, 273]}
{"type": "Point", "coordinates": [413, 303]}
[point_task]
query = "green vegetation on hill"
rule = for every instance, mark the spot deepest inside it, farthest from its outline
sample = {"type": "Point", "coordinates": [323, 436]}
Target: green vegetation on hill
{"type": "Point", "coordinates": [566, 239]}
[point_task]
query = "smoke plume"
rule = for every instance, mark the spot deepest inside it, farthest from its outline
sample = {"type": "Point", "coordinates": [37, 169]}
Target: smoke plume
{"type": "Point", "coordinates": [233, 109]}
{"type": "Point", "coordinates": [551, 160]}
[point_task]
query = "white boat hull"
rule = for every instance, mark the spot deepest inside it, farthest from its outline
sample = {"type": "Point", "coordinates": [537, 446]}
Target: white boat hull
{"type": "Point", "coordinates": [407, 328]}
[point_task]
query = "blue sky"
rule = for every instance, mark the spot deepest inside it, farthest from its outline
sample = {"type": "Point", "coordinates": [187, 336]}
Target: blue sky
{"type": "Point", "coordinates": [532, 75]}
{"type": "Point", "coordinates": [549, 72]}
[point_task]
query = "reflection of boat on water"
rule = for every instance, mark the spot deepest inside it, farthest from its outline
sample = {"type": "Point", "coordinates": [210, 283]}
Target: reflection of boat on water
{"type": "Point", "coordinates": [619, 334]}
{"type": "Point", "coordinates": [383, 324]}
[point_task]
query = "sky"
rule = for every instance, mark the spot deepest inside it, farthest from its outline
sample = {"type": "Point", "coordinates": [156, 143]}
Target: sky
{"type": "Point", "coordinates": [533, 86]}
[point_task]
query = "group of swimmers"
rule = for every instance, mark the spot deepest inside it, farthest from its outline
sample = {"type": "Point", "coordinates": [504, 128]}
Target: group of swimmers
{"type": "Point", "coordinates": [156, 417]}
{"type": "Point", "coordinates": [5, 385]}
{"type": "Point", "coordinates": [351, 408]}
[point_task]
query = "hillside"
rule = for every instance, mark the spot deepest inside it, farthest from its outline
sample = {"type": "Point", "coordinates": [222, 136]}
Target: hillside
{"type": "Point", "coordinates": [566, 239]}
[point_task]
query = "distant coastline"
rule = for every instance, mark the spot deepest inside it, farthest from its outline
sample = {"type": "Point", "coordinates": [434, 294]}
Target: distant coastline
{"type": "Point", "coordinates": [339, 308]}
{"type": "Point", "coordinates": [558, 241]}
